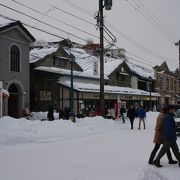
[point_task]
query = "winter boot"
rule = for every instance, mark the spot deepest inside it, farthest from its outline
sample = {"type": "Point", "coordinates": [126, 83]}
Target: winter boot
{"type": "Point", "coordinates": [157, 164]}
{"type": "Point", "coordinates": [173, 162]}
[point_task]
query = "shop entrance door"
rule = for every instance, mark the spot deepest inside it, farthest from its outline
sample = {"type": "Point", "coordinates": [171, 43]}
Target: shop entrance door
{"type": "Point", "coordinates": [13, 101]}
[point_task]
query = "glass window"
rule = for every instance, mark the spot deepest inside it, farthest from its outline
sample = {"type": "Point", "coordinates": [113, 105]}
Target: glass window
{"type": "Point", "coordinates": [59, 62]}
{"type": "Point", "coordinates": [14, 58]}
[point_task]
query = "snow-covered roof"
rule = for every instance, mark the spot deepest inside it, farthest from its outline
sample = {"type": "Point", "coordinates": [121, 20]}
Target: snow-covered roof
{"type": "Point", "coordinates": [141, 71]}
{"type": "Point", "coordinates": [89, 87]}
{"type": "Point", "coordinates": [83, 59]}
{"type": "Point", "coordinates": [66, 72]}
{"type": "Point", "coordinates": [110, 64]}
{"type": "Point", "coordinates": [86, 62]}
{"type": "Point", "coordinates": [4, 22]}
{"type": "Point", "coordinates": [37, 54]}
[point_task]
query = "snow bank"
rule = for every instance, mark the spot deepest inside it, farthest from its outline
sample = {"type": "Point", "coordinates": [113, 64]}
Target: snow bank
{"type": "Point", "coordinates": [22, 131]}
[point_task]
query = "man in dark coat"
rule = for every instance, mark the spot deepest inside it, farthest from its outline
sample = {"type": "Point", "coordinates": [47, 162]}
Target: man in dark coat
{"type": "Point", "coordinates": [122, 112]}
{"type": "Point", "coordinates": [131, 114]}
{"type": "Point", "coordinates": [50, 114]}
{"type": "Point", "coordinates": [169, 136]}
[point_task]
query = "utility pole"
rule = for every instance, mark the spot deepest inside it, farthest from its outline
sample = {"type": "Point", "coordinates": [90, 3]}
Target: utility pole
{"type": "Point", "coordinates": [150, 91]}
{"type": "Point", "coordinates": [178, 44]}
{"type": "Point", "coordinates": [101, 29]}
{"type": "Point", "coordinates": [72, 114]}
{"type": "Point", "coordinates": [107, 4]}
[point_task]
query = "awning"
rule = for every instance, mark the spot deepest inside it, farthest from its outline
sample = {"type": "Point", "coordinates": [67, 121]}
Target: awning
{"type": "Point", "coordinates": [90, 87]}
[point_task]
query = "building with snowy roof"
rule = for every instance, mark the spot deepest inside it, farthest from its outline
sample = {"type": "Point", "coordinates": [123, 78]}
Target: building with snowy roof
{"type": "Point", "coordinates": [51, 74]}
{"type": "Point", "coordinates": [15, 42]}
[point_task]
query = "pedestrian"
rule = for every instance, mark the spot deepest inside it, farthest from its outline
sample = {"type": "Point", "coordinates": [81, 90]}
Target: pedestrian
{"type": "Point", "coordinates": [169, 136]}
{"type": "Point", "coordinates": [158, 138]}
{"type": "Point", "coordinates": [66, 113]}
{"type": "Point", "coordinates": [50, 114]}
{"type": "Point", "coordinates": [61, 114]}
{"type": "Point", "coordinates": [142, 116]}
{"type": "Point", "coordinates": [131, 114]}
{"type": "Point", "coordinates": [122, 113]}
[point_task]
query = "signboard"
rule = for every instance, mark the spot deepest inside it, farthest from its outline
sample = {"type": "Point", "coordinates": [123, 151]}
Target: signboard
{"type": "Point", "coordinates": [45, 96]}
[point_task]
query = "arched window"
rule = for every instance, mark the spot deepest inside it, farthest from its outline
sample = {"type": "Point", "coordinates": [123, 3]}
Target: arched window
{"type": "Point", "coordinates": [14, 58]}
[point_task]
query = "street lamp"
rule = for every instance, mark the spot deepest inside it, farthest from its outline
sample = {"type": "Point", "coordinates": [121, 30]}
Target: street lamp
{"type": "Point", "coordinates": [72, 114]}
{"type": "Point", "coordinates": [150, 90]}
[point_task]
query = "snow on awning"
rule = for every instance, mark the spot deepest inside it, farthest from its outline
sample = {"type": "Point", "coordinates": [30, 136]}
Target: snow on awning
{"type": "Point", "coordinates": [89, 87]}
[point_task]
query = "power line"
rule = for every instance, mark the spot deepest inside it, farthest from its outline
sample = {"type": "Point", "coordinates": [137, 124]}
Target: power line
{"type": "Point", "coordinates": [42, 22]}
{"type": "Point", "coordinates": [125, 36]}
{"type": "Point", "coordinates": [147, 17]}
{"type": "Point", "coordinates": [157, 19]}
{"type": "Point", "coordinates": [33, 27]}
{"type": "Point", "coordinates": [139, 58]}
{"type": "Point", "coordinates": [78, 7]}
{"type": "Point", "coordinates": [54, 18]}
{"type": "Point", "coordinates": [150, 65]}
{"type": "Point", "coordinates": [59, 9]}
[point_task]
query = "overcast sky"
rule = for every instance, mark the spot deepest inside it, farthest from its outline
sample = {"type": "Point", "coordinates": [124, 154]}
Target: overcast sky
{"type": "Point", "coordinates": [142, 37]}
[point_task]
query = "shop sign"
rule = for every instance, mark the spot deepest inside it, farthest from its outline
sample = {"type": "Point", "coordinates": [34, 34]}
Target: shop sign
{"type": "Point", "coordinates": [45, 96]}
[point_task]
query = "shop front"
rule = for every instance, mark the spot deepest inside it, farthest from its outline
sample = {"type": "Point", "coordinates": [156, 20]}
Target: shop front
{"type": "Point", "coordinates": [87, 100]}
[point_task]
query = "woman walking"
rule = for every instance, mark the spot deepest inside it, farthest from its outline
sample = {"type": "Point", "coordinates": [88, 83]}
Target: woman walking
{"type": "Point", "coordinates": [158, 138]}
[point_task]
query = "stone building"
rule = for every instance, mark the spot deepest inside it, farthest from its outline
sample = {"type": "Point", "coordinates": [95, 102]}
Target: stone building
{"type": "Point", "coordinates": [15, 42]}
{"type": "Point", "coordinates": [167, 84]}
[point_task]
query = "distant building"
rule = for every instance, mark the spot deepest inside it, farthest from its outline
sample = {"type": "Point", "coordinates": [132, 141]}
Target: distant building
{"type": "Point", "coordinates": [15, 42]}
{"type": "Point", "coordinates": [167, 84]}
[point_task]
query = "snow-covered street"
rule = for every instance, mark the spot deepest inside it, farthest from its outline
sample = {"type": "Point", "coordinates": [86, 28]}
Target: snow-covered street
{"type": "Point", "coordinates": [91, 149]}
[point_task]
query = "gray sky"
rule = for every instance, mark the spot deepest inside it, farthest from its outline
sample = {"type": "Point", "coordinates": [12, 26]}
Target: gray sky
{"type": "Point", "coordinates": [125, 21]}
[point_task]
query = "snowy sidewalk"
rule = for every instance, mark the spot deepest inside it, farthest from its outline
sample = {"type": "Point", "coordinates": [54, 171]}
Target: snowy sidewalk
{"type": "Point", "coordinates": [110, 152]}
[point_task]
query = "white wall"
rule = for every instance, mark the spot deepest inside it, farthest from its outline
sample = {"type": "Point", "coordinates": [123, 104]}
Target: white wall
{"type": "Point", "coordinates": [134, 82]}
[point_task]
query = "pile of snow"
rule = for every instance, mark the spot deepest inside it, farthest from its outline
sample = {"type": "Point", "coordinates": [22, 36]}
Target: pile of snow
{"type": "Point", "coordinates": [22, 131]}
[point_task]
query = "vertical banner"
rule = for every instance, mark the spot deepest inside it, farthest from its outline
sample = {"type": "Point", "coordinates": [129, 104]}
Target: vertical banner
{"type": "Point", "coordinates": [118, 107]}
{"type": "Point", "coordinates": [1, 98]}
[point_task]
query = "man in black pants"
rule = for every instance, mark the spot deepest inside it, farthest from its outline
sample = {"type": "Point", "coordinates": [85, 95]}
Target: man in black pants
{"type": "Point", "coordinates": [169, 136]}
{"type": "Point", "coordinates": [131, 114]}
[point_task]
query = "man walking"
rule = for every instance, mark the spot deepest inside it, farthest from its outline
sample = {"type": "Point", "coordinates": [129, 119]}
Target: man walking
{"type": "Point", "coordinates": [131, 114]}
{"type": "Point", "coordinates": [169, 136]}
{"type": "Point", "coordinates": [142, 116]}
{"type": "Point", "coordinates": [122, 112]}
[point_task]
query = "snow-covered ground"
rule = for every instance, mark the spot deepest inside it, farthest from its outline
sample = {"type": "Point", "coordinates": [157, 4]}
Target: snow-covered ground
{"type": "Point", "coordinates": [90, 149]}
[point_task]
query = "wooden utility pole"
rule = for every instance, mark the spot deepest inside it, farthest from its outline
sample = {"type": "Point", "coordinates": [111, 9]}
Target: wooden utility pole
{"type": "Point", "coordinates": [101, 29]}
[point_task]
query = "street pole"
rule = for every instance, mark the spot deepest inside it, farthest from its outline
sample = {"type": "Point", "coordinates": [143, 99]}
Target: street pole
{"type": "Point", "coordinates": [101, 29]}
{"type": "Point", "coordinates": [72, 115]}
{"type": "Point", "coordinates": [178, 44]}
{"type": "Point", "coordinates": [150, 96]}
{"type": "Point", "coordinates": [150, 90]}
{"type": "Point", "coordinates": [1, 98]}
